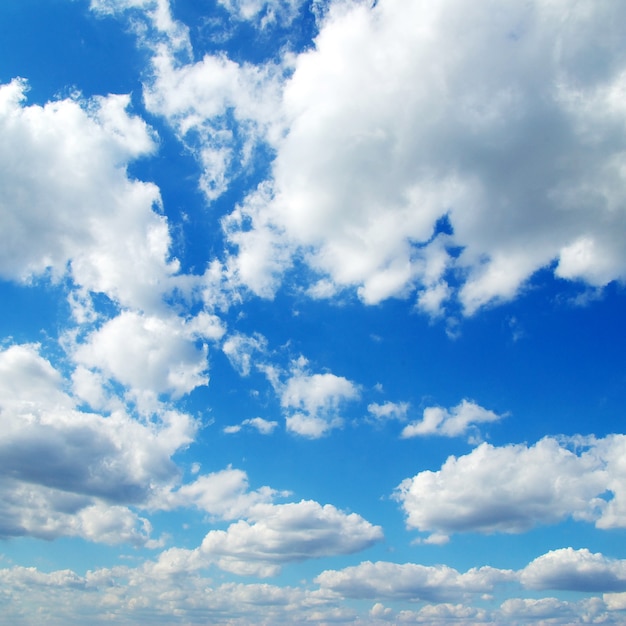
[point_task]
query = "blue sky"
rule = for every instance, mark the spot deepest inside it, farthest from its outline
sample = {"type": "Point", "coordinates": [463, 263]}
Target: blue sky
{"type": "Point", "coordinates": [312, 312]}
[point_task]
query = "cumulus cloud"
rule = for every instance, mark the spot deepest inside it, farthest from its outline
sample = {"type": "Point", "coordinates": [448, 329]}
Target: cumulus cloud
{"type": "Point", "coordinates": [313, 401]}
{"type": "Point", "coordinates": [285, 533]}
{"type": "Point", "coordinates": [513, 488]}
{"type": "Point", "coordinates": [66, 200]}
{"type": "Point", "coordinates": [69, 472]}
{"type": "Point", "coordinates": [575, 570]}
{"type": "Point", "coordinates": [410, 581]}
{"type": "Point", "coordinates": [274, 534]}
{"type": "Point", "coordinates": [498, 122]}
{"type": "Point", "coordinates": [224, 494]}
{"type": "Point", "coordinates": [536, 609]}
{"type": "Point", "coordinates": [150, 355]}
{"type": "Point", "coordinates": [450, 423]}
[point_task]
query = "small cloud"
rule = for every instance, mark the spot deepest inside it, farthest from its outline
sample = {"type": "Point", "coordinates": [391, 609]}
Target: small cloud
{"type": "Point", "coordinates": [450, 423]}
{"type": "Point", "coordinates": [265, 427]}
{"type": "Point", "coordinates": [388, 411]}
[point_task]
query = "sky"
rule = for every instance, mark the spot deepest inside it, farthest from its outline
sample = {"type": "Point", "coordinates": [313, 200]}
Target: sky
{"type": "Point", "coordinates": [312, 312]}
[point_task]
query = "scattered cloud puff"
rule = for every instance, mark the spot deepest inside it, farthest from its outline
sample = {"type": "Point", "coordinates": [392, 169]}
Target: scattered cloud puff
{"type": "Point", "coordinates": [388, 411]}
{"type": "Point", "coordinates": [450, 423]}
{"type": "Point", "coordinates": [240, 349]}
{"type": "Point", "coordinates": [265, 427]}
{"type": "Point", "coordinates": [264, 11]}
{"type": "Point", "coordinates": [313, 401]}
{"type": "Point", "coordinates": [514, 488]}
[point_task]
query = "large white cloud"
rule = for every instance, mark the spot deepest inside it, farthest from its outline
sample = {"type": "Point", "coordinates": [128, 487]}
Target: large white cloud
{"type": "Point", "coordinates": [273, 535]}
{"type": "Point", "coordinates": [516, 487]}
{"type": "Point", "coordinates": [66, 198]}
{"type": "Point", "coordinates": [284, 533]}
{"type": "Point", "coordinates": [509, 121]}
{"type": "Point", "coordinates": [69, 472]}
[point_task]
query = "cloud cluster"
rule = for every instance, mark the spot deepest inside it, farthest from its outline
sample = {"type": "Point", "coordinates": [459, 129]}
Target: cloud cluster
{"type": "Point", "coordinates": [168, 585]}
{"type": "Point", "coordinates": [67, 472]}
{"type": "Point", "coordinates": [459, 171]}
{"type": "Point", "coordinates": [482, 146]}
{"type": "Point", "coordinates": [563, 569]}
{"type": "Point", "coordinates": [513, 488]}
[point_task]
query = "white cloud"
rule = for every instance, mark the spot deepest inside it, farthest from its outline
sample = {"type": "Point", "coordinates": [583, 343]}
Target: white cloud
{"type": "Point", "coordinates": [265, 427]}
{"type": "Point", "coordinates": [224, 494]}
{"type": "Point", "coordinates": [270, 11]}
{"type": "Point", "coordinates": [388, 410]}
{"type": "Point", "coordinates": [615, 601]}
{"type": "Point", "coordinates": [450, 423]}
{"type": "Point", "coordinates": [445, 613]}
{"type": "Point", "coordinates": [133, 595]}
{"type": "Point", "coordinates": [509, 123]}
{"type": "Point", "coordinates": [195, 98]}
{"type": "Point", "coordinates": [66, 472]}
{"type": "Point", "coordinates": [240, 349]}
{"type": "Point", "coordinates": [513, 488]}
{"type": "Point", "coordinates": [164, 29]}
{"type": "Point", "coordinates": [173, 585]}
{"type": "Point", "coordinates": [275, 534]}
{"type": "Point", "coordinates": [66, 200]}
{"type": "Point", "coordinates": [313, 401]}
{"type": "Point", "coordinates": [410, 581]}
{"type": "Point", "coordinates": [575, 570]}
{"type": "Point", "coordinates": [149, 355]}
{"type": "Point", "coordinates": [537, 609]}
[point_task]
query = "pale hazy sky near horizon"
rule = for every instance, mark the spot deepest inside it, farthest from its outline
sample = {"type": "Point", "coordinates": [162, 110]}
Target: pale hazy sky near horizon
{"type": "Point", "coordinates": [312, 312]}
